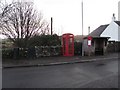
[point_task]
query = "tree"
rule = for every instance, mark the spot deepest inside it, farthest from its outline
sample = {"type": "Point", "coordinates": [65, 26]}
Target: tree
{"type": "Point", "coordinates": [19, 21]}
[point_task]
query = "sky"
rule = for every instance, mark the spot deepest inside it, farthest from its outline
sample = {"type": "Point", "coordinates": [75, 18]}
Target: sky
{"type": "Point", "coordinates": [67, 15]}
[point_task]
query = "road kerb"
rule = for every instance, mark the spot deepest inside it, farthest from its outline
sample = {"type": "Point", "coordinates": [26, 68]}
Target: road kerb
{"type": "Point", "coordinates": [58, 63]}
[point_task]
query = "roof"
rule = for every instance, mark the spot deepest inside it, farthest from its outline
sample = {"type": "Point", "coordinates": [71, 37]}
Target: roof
{"type": "Point", "coordinates": [118, 22]}
{"type": "Point", "coordinates": [97, 32]}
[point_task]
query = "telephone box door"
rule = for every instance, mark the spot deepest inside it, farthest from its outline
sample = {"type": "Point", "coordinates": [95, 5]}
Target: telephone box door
{"type": "Point", "coordinates": [68, 44]}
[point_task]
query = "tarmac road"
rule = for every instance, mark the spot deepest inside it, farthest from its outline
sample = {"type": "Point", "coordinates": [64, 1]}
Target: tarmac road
{"type": "Point", "coordinates": [98, 74]}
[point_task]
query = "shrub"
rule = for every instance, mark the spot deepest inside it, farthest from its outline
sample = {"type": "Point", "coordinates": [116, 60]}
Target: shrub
{"type": "Point", "coordinates": [78, 48]}
{"type": "Point", "coordinates": [7, 53]}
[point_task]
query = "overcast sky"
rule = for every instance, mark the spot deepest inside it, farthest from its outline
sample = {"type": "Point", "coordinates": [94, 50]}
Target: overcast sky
{"type": "Point", "coordinates": [67, 14]}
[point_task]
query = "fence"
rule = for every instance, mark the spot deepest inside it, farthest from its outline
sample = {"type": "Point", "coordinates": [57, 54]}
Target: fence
{"type": "Point", "coordinates": [38, 51]}
{"type": "Point", "coordinates": [31, 52]}
{"type": "Point", "coordinates": [48, 51]}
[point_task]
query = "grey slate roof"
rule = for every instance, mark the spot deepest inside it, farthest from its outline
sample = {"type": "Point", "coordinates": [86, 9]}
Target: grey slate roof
{"type": "Point", "coordinates": [118, 22]}
{"type": "Point", "coordinates": [97, 32]}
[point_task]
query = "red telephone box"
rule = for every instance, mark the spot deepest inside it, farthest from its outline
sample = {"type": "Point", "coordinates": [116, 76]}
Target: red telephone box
{"type": "Point", "coordinates": [68, 44]}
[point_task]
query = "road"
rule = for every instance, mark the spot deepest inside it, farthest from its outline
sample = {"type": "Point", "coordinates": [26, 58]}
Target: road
{"type": "Point", "coordinates": [98, 74]}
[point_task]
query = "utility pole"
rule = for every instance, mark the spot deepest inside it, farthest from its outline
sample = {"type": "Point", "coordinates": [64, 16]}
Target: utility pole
{"type": "Point", "coordinates": [82, 29]}
{"type": "Point", "coordinates": [82, 16]}
{"type": "Point", "coordinates": [51, 26]}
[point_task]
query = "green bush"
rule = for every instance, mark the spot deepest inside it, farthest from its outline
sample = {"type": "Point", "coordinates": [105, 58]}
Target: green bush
{"type": "Point", "coordinates": [45, 40]}
{"type": "Point", "coordinates": [23, 52]}
{"type": "Point", "coordinates": [7, 53]}
{"type": "Point", "coordinates": [78, 48]}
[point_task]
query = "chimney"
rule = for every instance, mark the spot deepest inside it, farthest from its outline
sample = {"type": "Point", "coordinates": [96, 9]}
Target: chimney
{"type": "Point", "coordinates": [88, 30]}
{"type": "Point", "coordinates": [113, 18]}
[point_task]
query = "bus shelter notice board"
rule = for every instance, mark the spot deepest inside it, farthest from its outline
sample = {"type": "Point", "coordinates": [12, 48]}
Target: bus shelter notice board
{"type": "Point", "coordinates": [89, 40]}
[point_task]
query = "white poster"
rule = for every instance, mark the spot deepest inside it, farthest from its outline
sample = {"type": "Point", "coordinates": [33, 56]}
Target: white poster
{"type": "Point", "coordinates": [89, 42]}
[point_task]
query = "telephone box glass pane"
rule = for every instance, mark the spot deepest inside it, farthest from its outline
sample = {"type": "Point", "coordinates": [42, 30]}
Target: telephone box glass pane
{"type": "Point", "coordinates": [70, 46]}
{"type": "Point", "coordinates": [64, 46]}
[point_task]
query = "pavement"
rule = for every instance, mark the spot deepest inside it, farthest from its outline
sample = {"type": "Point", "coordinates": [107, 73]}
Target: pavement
{"type": "Point", "coordinates": [57, 60]}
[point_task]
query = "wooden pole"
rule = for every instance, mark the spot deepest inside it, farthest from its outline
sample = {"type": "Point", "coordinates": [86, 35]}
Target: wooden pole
{"type": "Point", "coordinates": [51, 26]}
{"type": "Point", "coordinates": [82, 29]}
{"type": "Point", "coordinates": [82, 17]}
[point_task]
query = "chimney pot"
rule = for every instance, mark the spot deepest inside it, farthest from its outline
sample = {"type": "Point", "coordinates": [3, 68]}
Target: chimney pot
{"type": "Point", "coordinates": [113, 18]}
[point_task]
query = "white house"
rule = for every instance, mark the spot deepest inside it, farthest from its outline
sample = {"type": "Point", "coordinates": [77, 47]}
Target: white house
{"type": "Point", "coordinates": [100, 37]}
{"type": "Point", "coordinates": [112, 31]}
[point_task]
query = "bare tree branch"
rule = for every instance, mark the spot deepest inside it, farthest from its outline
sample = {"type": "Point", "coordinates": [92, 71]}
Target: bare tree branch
{"type": "Point", "coordinates": [19, 20]}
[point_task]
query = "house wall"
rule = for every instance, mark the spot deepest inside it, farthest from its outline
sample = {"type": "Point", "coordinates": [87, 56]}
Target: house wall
{"type": "Point", "coordinates": [105, 47]}
{"type": "Point", "coordinates": [86, 49]}
{"type": "Point", "coordinates": [119, 34]}
{"type": "Point", "coordinates": [111, 31]}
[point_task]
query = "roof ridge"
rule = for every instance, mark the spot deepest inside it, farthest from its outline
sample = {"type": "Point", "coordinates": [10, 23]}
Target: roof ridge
{"type": "Point", "coordinates": [105, 25]}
